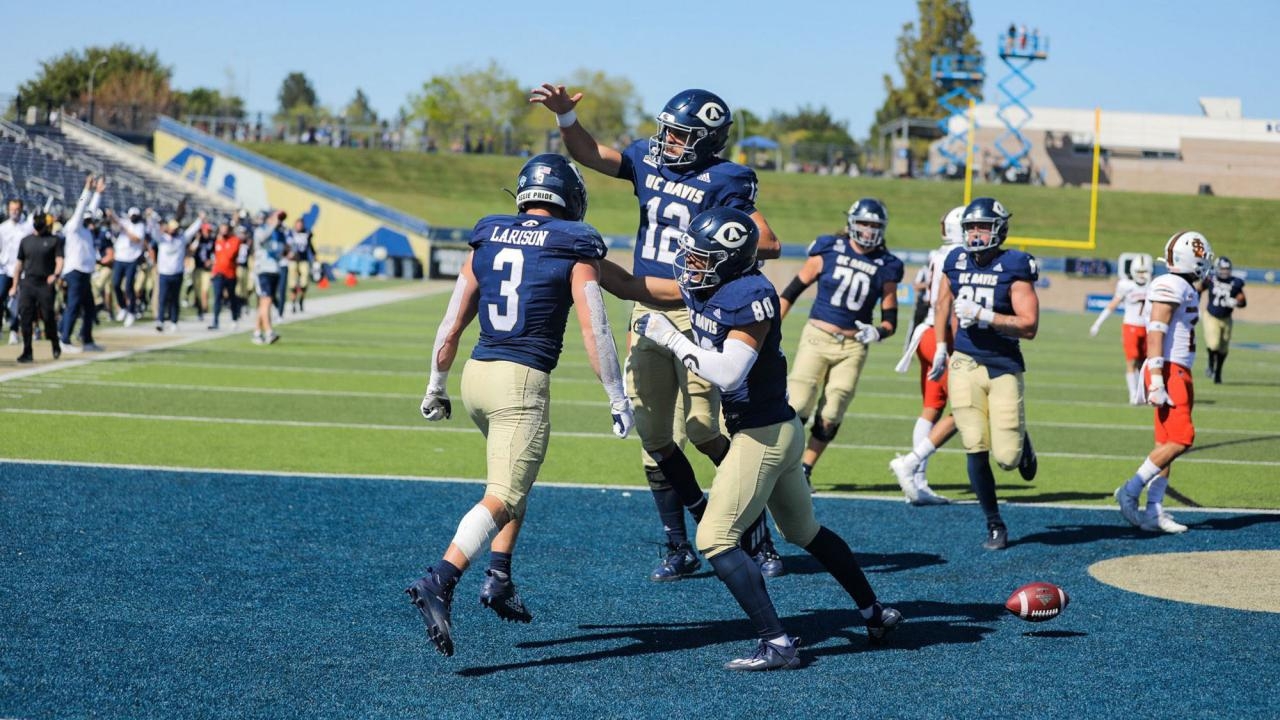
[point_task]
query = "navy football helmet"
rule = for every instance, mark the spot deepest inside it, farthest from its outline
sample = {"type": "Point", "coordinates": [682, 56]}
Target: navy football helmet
{"type": "Point", "coordinates": [719, 246]}
{"type": "Point", "coordinates": [1223, 267]}
{"type": "Point", "coordinates": [868, 211]}
{"type": "Point", "coordinates": [551, 179]}
{"type": "Point", "coordinates": [699, 120]}
{"type": "Point", "coordinates": [985, 211]}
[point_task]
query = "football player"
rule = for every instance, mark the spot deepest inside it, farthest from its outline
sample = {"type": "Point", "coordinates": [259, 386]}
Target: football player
{"type": "Point", "coordinates": [1173, 307]}
{"type": "Point", "coordinates": [523, 273]}
{"type": "Point", "coordinates": [932, 430]}
{"type": "Point", "coordinates": [1132, 292]}
{"type": "Point", "coordinates": [990, 300]}
{"type": "Point", "coordinates": [855, 273]}
{"type": "Point", "coordinates": [1225, 294]}
{"type": "Point", "coordinates": [737, 346]}
{"type": "Point", "coordinates": [675, 175]}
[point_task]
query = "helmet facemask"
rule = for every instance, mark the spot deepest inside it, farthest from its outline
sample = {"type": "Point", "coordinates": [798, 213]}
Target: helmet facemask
{"type": "Point", "coordinates": [683, 151]}
{"type": "Point", "coordinates": [696, 268]}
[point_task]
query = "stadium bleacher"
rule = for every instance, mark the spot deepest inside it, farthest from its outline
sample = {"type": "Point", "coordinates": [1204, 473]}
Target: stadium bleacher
{"type": "Point", "coordinates": [40, 162]}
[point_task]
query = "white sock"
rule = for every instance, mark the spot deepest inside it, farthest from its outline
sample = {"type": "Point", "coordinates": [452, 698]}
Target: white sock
{"type": "Point", "coordinates": [1142, 478]}
{"type": "Point", "coordinates": [923, 449]}
{"type": "Point", "coordinates": [1155, 495]}
{"type": "Point", "coordinates": [783, 641]}
{"type": "Point", "coordinates": [1131, 379]}
{"type": "Point", "coordinates": [921, 432]}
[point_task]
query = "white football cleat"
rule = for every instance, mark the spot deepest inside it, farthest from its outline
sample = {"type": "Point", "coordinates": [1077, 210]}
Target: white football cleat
{"type": "Point", "coordinates": [120, 315]}
{"type": "Point", "coordinates": [926, 496]}
{"type": "Point", "coordinates": [904, 468]}
{"type": "Point", "coordinates": [13, 337]}
{"type": "Point", "coordinates": [1162, 522]}
{"type": "Point", "coordinates": [129, 318]}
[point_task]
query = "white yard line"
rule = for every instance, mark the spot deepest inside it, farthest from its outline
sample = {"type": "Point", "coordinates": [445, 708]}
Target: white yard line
{"type": "Point", "coordinates": [560, 433]}
{"type": "Point", "coordinates": [183, 472]}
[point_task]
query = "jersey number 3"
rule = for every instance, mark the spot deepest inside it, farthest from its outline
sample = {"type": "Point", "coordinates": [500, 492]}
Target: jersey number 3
{"type": "Point", "coordinates": [504, 319]}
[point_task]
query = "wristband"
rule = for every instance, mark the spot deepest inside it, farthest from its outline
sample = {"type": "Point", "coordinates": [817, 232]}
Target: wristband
{"type": "Point", "coordinates": [1157, 326]}
{"type": "Point", "coordinates": [1156, 363]}
{"type": "Point", "coordinates": [987, 316]}
{"type": "Point", "coordinates": [564, 120]}
{"type": "Point", "coordinates": [439, 378]}
{"type": "Point", "coordinates": [940, 348]}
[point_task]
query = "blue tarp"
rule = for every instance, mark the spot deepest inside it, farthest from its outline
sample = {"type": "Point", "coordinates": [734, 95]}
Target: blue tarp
{"type": "Point", "coordinates": [362, 258]}
{"type": "Point", "coordinates": [758, 142]}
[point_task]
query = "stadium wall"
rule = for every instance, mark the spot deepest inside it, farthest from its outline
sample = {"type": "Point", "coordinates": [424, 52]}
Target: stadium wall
{"type": "Point", "coordinates": [339, 218]}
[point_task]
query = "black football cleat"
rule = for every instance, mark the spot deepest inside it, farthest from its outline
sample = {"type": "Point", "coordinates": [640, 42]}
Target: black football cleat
{"type": "Point", "coordinates": [1029, 464]}
{"type": "Point", "coordinates": [768, 656]}
{"type": "Point", "coordinates": [680, 562]}
{"type": "Point", "coordinates": [499, 595]}
{"type": "Point", "coordinates": [768, 560]}
{"type": "Point", "coordinates": [434, 603]}
{"type": "Point", "coordinates": [884, 621]}
{"type": "Point", "coordinates": [997, 537]}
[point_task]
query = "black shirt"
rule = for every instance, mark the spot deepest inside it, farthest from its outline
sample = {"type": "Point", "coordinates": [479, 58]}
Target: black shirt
{"type": "Point", "coordinates": [39, 255]}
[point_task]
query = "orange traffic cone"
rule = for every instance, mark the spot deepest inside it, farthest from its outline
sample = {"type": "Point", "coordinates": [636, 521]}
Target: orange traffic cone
{"type": "Point", "coordinates": [324, 282]}
{"type": "Point", "coordinates": [351, 279]}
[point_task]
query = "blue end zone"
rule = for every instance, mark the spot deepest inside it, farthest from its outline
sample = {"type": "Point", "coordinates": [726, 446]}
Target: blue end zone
{"type": "Point", "coordinates": [158, 594]}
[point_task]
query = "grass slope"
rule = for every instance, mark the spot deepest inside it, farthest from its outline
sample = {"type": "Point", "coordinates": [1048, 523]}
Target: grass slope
{"type": "Point", "coordinates": [456, 190]}
{"type": "Point", "coordinates": [340, 395]}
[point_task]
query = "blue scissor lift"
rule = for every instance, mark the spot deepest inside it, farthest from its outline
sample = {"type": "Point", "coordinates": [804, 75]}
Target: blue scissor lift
{"type": "Point", "coordinates": [959, 77]}
{"type": "Point", "coordinates": [1017, 54]}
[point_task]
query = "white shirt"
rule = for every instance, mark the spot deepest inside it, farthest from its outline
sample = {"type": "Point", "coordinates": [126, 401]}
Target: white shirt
{"type": "Point", "coordinates": [1180, 341]}
{"type": "Point", "coordinates": [171, 250]}
{"type": "Point", "coordinates": [78, 251]}
{"type": "Point", "coordinates": [126, 249]}
{"type": "Point", "coordinates": [11, 233]}
{"type": "Point", "coordinates": [1133, 297]}
{"type": "Point", "coordinates": [937, 260]}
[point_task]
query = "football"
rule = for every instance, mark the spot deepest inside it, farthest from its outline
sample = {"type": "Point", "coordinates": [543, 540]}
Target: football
{"type": "Point", "coordinates": [1037, 601]}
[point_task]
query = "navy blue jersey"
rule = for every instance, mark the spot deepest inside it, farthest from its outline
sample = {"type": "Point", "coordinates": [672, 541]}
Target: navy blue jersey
{"type": "Point", "coordinates": [671, 198]}
{"type": "Point", "coordinates": [850, 285]}
{"type": "Point", "coordinates": [102, 242]}
{"type": "Point", "coordinates": [523, 265]}
{"type": "Point", "coordinates": [761, 400]}
{"type": "Point", "coordinates": [1219, 292]}
{"type": "Point", "coordinates": [990, 287]}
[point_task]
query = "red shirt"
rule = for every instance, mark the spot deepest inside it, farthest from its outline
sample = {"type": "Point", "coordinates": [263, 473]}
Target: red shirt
{"type": "Point", "coordinates": [225, 250]}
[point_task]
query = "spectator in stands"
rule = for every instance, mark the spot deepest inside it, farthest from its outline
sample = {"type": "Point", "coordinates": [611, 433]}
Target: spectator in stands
{"type": "Point", "coordinates": [80, 256]}
{"type": "Point", "coordinates": [12, 230]}
{"type": "Point", "coordinates": [130, 243]}
{"type": "Point", "coordinates": [38, 268]}
{"type": "Point", "coordinates": [269, 249]}
{"type": "Point", "coordinates": [225, 249]}
{"type": "Point", "coordinates": [201, 248]}
{"type": "Point", "coordinates": [171, 257]}
{"type": "Point", "coordinates": [301, 252]}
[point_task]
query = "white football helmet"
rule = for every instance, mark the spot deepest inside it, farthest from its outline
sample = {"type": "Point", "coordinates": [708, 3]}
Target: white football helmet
{"type": "Point", "coordinates": [952, 233]}
{"type": "Point", "coordinates": [1188, 253]}
{"type": "Point", "coordinates": [1140, 269]}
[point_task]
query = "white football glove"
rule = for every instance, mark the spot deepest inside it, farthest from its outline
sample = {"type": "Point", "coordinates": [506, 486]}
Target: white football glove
{"type": "Point", "coordinates": [1230, 302]}
{"type": "Point", "coordinates": [624, 417]}
{"type": "Point", "coordinates": [939, 365]}
{"type": "Point", "coordinates": [657, 328]}
{"type": "Point", "coordinates": [436, 405]}
{"type": "Point", "coordinates": [966, 311]}
{"type": "Point", "coordinates": [1156, 394]}
{"type": "Point", "coordinates": [867, 334]}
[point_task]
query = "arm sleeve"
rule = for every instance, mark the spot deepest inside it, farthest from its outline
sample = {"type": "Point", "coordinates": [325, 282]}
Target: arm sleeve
{"type": "Point", "coordinates": [77, 215]}
{"type": "Point", "coordinates": [438, 376]}
{"type": "Point", "coordinates": [727, 369]}
{"type": "Point", "coordinates": [606, 352]}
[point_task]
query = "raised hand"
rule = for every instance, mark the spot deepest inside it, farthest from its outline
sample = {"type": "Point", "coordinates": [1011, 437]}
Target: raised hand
{"type": "Point", "coordinates": [555, 98]}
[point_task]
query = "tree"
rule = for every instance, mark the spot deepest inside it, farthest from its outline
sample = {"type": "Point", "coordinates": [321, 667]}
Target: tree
{"type": "Point", "coordinates": [296, 92]}
{"type": "Point", "coordinates": [358, 111]}
{"type": "Point", "coordinates": [814, 135]}
{"type": "Point", "coordinates": [122, 75]}
{"type": "Point", "coordinates": [474, 106]}
{"type": "Point", "coordinates": [611, 108]}
{"type": "Point", "coordinates": [944, 26]}
{"type": "Point", "coordinates": [210, 103]}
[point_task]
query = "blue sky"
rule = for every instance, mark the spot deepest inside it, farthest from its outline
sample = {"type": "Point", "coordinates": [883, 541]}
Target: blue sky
{"type": "Point", "coordinates": [1132, 56]}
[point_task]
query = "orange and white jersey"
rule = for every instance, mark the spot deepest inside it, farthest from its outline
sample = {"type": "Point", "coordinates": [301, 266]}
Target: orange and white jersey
{"type": "Point", "coordinates": [1133, 297]}
{"type": "Point", "coordinates": [1180, 340]}
{"type": "Point", "coordinates": [937, 258]}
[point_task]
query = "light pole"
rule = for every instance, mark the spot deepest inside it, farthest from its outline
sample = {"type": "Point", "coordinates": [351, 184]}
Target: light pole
{"type": "Point", "coordinates": [93, 70]}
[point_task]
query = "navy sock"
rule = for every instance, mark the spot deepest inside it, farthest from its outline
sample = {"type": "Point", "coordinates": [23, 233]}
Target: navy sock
{"type": "Point", "coordinates": [983, 483]}
{"type": "Point", "coordinates": [739, 573]}
{"type": "Point", "coordinates": [833, 552]}
{"type": "Point", "coordinates": [443, 576]}
{"type": "Point", "coordinates": [679, 474]}
{"type": "Point", "coordinates": [720, 458]}
{"type": "Point", "coordinates": [698, 509]}
{"type": "Point", "coordinates": [500, 561]}
{"type": "Point", "coordinates": [671, 513]}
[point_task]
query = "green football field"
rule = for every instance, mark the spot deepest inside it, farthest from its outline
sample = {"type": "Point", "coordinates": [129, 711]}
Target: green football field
{"type": "Point", "coordinates": [340, 395]}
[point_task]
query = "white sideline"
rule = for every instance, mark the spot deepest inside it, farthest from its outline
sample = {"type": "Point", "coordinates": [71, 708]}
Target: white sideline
{"type": "Point", "coordinates": [897, 498]}
{"type": "Point", "coordinates": [424, 427]}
